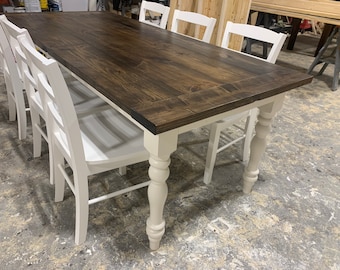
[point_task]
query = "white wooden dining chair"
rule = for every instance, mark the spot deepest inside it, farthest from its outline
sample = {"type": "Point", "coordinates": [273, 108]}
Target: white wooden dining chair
{"type": "Point", "coordinates": [85, 100]}
{"type": "Point", "coordinates": [244, 121]}
{"type": "Point", "coordinates": [197, 19]}
{"type": "Point", "coordinates": [14, 84]}
{"type": "Point", "coordinates": [149, 13]}
{"type": "Point", "coordinates": [95, 143]}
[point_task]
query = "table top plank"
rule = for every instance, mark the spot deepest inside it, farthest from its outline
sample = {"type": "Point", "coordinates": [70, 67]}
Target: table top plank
{"type": "Point", "coordinates": [162, 79]}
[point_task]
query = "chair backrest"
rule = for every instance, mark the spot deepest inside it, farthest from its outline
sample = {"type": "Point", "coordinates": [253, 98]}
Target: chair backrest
{"type": "Point", "coordinates": [12, 76]}
{"type": "Point", "coordinates": [9, 62]}
{"type": "Point", "coordinates": [256, 33]}
{"type": "Point", "coordinates": [12, 32]}
{"type": "Point", "coordinates": [62, 121]}
{"type": "Point", "coordinates": [153, 9]}
{"type": "Point", "coordinates": [194, 18]}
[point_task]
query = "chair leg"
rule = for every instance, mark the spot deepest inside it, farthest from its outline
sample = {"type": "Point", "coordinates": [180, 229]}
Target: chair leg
{"type": "Point", "coordinates": [17, 108]}
{"type": "Point", "coordinates": [325, 65]}
{"type": "Point", "coordinates": [249, 132]}
{"type": "Point", "coordinates": [122, 170]}
{"type": "Point", "coordinates": [22, 119]}
{"type": "Point", "coordinates": [317, 59]}
{"type": "Point", "coordinates": [336, 64]}
{"type": "Point", "coordinates": [36, 133]}
{"type": "Point", "coordinates": [59, 180]}
{"type": "Point", "coordinates": [82, 207]}
{"type": "Point", "coordinates": [215, 132]}
{"type": "Point", "coordinates": [12, 110]}
{"type": "Point", "coordinates": [51, 162]}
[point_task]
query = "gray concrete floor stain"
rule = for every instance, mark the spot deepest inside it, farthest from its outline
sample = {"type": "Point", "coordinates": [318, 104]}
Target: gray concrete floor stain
{"type": "Point", "coordinates": [291, 219]}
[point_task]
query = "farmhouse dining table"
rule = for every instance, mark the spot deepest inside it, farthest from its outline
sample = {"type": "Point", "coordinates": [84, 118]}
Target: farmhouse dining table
{"type": "Point", "coordinates": [165, 83]}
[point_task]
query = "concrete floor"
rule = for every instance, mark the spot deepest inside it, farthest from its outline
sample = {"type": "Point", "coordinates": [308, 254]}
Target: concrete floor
{"type": "Point", "coordinates": [291, 220]}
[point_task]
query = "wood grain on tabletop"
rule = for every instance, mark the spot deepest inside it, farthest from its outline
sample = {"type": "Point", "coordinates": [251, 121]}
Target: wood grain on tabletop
{"type": "Point", "coordinates": [162, 79]}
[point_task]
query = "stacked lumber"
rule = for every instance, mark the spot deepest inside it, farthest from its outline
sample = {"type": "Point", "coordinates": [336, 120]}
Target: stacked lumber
{"type": "Point", "coordinates": [326, 11]}
{"type": "Point", "coordinates": [222, 10]}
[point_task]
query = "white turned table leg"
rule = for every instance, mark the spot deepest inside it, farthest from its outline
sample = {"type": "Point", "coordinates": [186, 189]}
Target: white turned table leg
{"type": "Point", "coordinates": [160, 147]}
{"type": "Point", "coordinates": [259, 143]}
{"type": "Point", "coordinates": [157, 193]}
{"type": "Point", "coordinates": [257, 148]}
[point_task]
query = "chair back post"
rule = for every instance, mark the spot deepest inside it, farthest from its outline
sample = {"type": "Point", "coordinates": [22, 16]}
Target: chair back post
{"type": "Point", "coordinates": [9, 61]}
{"type": "Point", "coordinates": [12, 32]}
{"type": "Point", "coordinates": [14, 84]}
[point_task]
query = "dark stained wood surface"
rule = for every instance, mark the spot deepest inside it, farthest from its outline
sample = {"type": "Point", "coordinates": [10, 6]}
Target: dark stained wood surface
{"type": "Point", "coordinates": [162, 79]}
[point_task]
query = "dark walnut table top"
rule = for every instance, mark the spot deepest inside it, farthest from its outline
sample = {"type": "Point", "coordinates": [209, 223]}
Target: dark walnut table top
{"type": "Point", "coordinates": [162, 79]}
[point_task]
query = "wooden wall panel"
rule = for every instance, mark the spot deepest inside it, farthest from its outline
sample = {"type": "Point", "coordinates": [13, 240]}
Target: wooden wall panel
{"type": "Point", "coordinates": [326, 11]}
{"type": "Point", "coordinates": [222, 10]}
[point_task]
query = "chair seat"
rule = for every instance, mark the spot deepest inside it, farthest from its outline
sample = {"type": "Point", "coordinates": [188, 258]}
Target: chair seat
{"type": "Point", "coordinates": [105, 142]}
{"type": "Point", "coordinates": [125, 141]}
{"type": "Point", "coordinates": [233, 118]}
{"type": "Point", "coordinates": [84, 100]}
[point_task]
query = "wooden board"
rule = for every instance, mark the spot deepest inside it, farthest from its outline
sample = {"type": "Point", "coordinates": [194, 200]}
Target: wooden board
{"type": "Point", "coordinates": [326, 11]}
{"type": "Point", "coordinates": [222, 10]}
